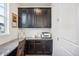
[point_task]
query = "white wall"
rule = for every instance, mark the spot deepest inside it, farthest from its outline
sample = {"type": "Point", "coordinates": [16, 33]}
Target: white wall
{"type": "Point", "coordinates": [13, 31]}
{"type": "Point", "coordinates": [66, 28]}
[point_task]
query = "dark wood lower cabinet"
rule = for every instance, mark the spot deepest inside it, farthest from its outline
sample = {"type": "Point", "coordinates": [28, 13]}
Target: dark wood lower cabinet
{"type": "Point", "coordinates": [38, 47]}
{"type": "Point", "coordinates": [33, 47]}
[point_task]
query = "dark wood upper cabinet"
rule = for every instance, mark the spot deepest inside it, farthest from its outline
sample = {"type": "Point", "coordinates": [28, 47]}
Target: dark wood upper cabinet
{"type": "Point", "coordinates": [34, 17]}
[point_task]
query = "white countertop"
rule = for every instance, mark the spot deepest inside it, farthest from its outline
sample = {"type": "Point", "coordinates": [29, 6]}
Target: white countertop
{"type": "Point", "coordinates": [33, 38]}
{"type": "Point", "coordinates": [6, 48]}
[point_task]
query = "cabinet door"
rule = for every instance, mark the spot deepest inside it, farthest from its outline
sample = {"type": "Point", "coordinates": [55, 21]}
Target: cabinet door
{"type": "Point", "coordinates": [38, 46]}
{"type": "Point", "coordinates": [47, 46]}
{"type": "Point", "coordinates": [43, 47]}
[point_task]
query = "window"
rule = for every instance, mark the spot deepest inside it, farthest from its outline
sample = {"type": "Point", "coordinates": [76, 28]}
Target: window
{"type": "Point", "coordinates": [3, 18]}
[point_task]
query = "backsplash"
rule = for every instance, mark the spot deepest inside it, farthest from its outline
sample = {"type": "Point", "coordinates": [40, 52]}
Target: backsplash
{"type": "Point", "coordinates": [35, 32]}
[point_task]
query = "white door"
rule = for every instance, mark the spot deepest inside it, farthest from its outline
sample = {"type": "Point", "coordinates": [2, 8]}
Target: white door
{"type": "Point", "coordinates": [57, 48]}
{"type": "Point", "coordinates": [65, 42]}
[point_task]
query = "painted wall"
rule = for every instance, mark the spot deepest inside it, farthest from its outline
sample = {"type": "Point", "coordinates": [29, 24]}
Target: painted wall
{"type": "Point", "coordinates": [12, 31]}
